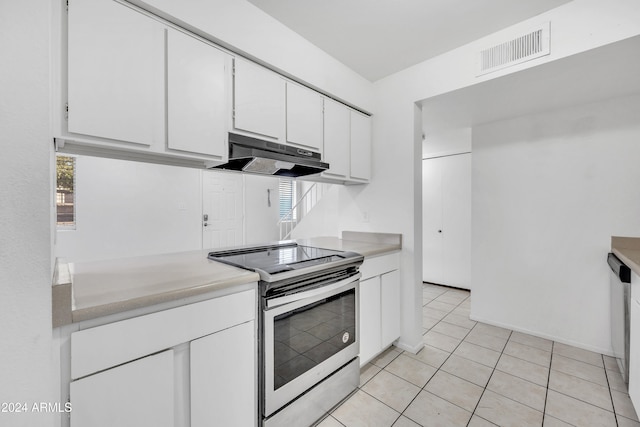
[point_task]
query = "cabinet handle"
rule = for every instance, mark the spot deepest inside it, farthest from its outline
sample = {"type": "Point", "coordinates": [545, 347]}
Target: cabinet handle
{"type": "Point", "coordinates": [439, 231]}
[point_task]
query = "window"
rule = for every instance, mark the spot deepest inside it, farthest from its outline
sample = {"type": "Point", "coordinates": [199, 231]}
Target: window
{"type": "Point", "coordinates": [287, 200]}
{"type": "Point", "coordinates": [65, 192]}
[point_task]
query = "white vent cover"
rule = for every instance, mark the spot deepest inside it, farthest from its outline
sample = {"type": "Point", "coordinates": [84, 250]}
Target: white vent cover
{"type": "Point", "coordinates": [533, 44]}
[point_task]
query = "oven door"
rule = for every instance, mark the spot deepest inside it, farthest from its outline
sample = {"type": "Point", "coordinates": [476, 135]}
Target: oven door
{"type": "Point", "coordinates": [308, 335]}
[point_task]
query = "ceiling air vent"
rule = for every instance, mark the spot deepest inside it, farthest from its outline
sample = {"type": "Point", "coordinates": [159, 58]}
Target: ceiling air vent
{"type": "Point", "coordinates": [526, 47]}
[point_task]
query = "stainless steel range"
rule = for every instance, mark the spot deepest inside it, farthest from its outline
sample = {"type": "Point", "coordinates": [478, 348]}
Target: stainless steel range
{"type": "Point", "coordinates": [308, 328]}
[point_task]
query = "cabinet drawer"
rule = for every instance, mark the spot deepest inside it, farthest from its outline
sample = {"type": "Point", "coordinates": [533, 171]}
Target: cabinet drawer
{"type": "Point", "coordinates": [379, 265]}
{"type": "Point", "coordinates": [109, 345]}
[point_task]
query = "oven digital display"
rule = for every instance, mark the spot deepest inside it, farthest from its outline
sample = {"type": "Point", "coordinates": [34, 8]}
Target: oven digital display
{"type": "Point", "coordinates": [307, 336]}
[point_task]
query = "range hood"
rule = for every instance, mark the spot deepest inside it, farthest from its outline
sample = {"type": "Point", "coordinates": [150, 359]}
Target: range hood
{"type": "Point", "coordinates": [253, 155]}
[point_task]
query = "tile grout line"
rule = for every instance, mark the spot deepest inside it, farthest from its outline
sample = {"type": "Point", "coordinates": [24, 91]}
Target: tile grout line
{"type": "Point", "coordinates": [546, 392]}
{"type": "Point", "coordinates": [613, 404]}
{"type": "Point", "coordinates": [489, 380]}
{"type": "Point", "coordinates": [437, 369]}
{"type": "Point", "coordinates": [447, 358]}
{"type": "Point", "coordinates": [494, 368]}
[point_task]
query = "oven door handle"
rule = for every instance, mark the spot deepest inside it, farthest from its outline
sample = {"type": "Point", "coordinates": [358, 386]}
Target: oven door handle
{"type": "Point", "coordinates": [287, 299]}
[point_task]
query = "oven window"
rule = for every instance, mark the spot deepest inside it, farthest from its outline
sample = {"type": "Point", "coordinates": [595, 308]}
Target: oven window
{"type": "Point", "coordinates": [309, 335]}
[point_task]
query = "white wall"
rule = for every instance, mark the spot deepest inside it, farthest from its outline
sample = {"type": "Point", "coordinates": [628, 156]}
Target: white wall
{"type": "Point", "coordinates": [549, 191]}
{"type": "Point", "coordinates": [446, 142]}
{"type": "Point", "coordinates": [260, 218]}
{"type": "Point", "coordinates": [26, 197]}
{"type": "Point", "coordinates": [394, 196]}
{"type": "Point", "coordinates": [246, 29]}
{"type": "Point", "coordinates": [128, 208]}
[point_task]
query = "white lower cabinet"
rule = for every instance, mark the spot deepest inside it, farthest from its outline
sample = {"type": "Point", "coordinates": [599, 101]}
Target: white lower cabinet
{"type": "Point", "coordinates": [139, 393]}
{"type": "Point", "coordinates": [634, 352]}
{"type": "Point", "coordinates": [223, 368]}
{"type": "Point", "coordinates": [379, 305]}
{"type": "Point", "coordinates": [370, 319]}
{"type": "Point", "coordinates": [193, 365]}
{"type": "Point", "coordinates": [390, 307]}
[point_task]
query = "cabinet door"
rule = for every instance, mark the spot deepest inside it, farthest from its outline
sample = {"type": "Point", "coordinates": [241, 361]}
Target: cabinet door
{"type": "Point", "coordinates": [138, 393]}
{"type": "Point", "coordinates": [390, 307]}
{"type": "Point", "coordinates": [259, 100]}
{"type": "Point", "coordinates": [360, 147]}
{"type": "Point", "coordinates": [456, 220]}
{"type": "Point", "coordinates": [304, 117]}
{"type": "Point", "coordinates": [337, 125]}
{"type": "Point", "coordinates": [432, 221]}
{"type": "Point", "coordinates": [115, 73]}
{"type": "Point", "coordinates": [223, 378]}
{"type": "Point", "coordinates": [370, 343]}
{"type": "Point", "coordinates": [634, 353]}
{"type": "Point", "coordinates": [196, 96]}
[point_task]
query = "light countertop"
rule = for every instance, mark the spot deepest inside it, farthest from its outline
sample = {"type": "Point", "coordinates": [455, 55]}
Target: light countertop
{"type": "Point", "coordinates": [628, 250]}
{"type": "Point", "coordinates": [93, 289]}
{"type": "Point", "coordinates": [366, 244]}
{"type": "Point", "coordinates": [89, 290]}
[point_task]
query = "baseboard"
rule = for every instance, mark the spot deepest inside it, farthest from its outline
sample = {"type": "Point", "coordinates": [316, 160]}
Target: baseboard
{"type": "Point", "coordinates": [605, 351]}
{"type": "Point", "coordinates": [411, 348]}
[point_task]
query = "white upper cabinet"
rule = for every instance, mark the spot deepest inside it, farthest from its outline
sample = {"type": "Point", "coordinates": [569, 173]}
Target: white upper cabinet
{"type": "Point", "coordinates": [258, 101]}
{"type": "Point", "coordinates": [197, 96]}
{"type": "Point", "coordinates": [139, 88]}
{"type": "Point", "coordinates": [115, 73]}
{"type": "Point", "coordinates": [337, 124]}
{"type": "Point", "coordinates": [360, 147]}
{"type": "Point", "coordinates": [304, 117]}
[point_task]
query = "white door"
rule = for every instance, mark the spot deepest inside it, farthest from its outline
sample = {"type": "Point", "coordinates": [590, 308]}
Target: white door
{"type": "Point", "coordinates": [222, 209]}
{"type": "Point", "coordinates": [432, 221]}
{"type": "Point", "coordinates": [446, 220]}
{"type": "Point", "coordinates": [456, 220]}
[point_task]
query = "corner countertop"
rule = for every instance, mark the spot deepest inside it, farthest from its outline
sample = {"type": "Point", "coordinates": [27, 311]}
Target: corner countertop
{"type": "Point", "coordinates": [89, 290]}
{"type": "Point", "coordinates": [366, 244]}
{"type": "Point", "coordinates": [628, 250]}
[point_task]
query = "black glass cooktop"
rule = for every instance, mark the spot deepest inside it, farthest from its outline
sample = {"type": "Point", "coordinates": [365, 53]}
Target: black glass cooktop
{"type": "Point", "coordinates": [278, 258]}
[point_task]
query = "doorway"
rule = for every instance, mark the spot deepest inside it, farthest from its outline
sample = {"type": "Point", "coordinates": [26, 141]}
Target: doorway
{"type": "Point", "coordinates": [222, 209]}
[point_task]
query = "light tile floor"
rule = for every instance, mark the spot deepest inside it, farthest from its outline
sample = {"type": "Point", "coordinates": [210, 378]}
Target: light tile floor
{"type": "Point", "coordinates": [473, 374]}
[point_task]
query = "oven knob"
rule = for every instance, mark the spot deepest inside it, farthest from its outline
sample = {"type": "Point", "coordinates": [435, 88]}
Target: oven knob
{"type": "Point", "coordinates": [345, 337]}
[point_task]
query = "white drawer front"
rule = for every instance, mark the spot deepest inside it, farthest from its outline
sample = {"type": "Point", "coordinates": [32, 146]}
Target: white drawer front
{"type": "Point", "coordinates": [109, 345]}
{"type": "Point", "coordinates": [379, 265]}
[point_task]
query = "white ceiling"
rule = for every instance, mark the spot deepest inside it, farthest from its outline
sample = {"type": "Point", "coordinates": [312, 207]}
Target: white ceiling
{"type": "Point", "coordinates": [378, 38]}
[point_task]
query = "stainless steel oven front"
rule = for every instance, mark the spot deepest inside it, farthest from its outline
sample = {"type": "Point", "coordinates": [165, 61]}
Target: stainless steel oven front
{"type": "Point", "coordinates": [308, 334]}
